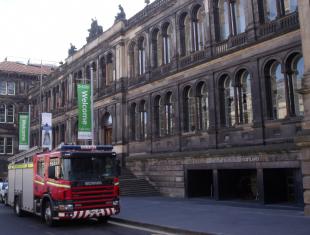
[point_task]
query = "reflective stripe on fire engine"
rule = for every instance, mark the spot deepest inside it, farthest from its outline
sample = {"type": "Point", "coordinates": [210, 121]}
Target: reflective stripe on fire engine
{"type": "Point", "coordinates": [39, 182]}
{"type": "Point", "coordinates": [58, 185]}
{"type": "Point", "coordinates": [20, 166]}
{"type": "Point", "coordinates": [92, 213]}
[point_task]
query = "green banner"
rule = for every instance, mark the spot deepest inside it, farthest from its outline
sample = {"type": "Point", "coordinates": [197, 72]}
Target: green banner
{"type": "Point", "coordinates": [84, 106]}
{"type": "Point", "coordinates": [23, 131]}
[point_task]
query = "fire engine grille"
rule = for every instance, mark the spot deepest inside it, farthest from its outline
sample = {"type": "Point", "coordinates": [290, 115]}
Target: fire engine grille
{"type": "Point", "coordinates": [92, 197]}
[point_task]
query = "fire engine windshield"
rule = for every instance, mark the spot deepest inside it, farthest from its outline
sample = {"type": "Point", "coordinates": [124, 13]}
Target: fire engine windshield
{"type": "Point", "coordinates": [89, 167]}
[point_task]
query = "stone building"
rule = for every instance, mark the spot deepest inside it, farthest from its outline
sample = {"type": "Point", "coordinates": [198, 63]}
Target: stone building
{"type": "Point", "coordinates": [201, 98]}
{"type": "Point", "coordinates": [15, 81]}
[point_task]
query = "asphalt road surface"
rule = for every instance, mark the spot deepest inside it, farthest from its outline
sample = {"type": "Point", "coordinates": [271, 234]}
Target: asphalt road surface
{"type": "Point", "coordinates": [10, 224]}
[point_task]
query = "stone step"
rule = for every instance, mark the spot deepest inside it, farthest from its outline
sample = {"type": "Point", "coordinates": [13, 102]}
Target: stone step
{"type": "Point", "coordinates": [130, 185]}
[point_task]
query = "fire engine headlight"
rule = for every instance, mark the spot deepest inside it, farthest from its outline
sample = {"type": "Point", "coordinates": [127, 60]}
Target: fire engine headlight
{"type": "Point", "coordinates": [68, 207]}
{"type": "Point", "coordinates": [115, 202]}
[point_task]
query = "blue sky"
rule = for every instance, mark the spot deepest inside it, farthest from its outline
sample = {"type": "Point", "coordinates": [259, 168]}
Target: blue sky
{"type": "Point", "coordinates": [44, 29]}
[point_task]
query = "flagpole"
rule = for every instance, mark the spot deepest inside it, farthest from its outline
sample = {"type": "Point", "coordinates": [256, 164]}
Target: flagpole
{"type": "Point", "coordinates": [40, 117]}
{"type": "Point", "coordinates": [29, 121]}
{"type": "Point", "coordinates": [92, 103]}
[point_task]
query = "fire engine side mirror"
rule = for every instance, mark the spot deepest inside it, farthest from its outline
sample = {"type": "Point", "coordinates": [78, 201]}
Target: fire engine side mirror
{"type": "Point", "coordinates": [51, 172]}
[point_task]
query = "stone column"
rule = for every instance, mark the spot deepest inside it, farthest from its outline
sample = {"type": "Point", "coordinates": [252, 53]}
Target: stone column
{"type": "Point", "coordinates": [304, 141]}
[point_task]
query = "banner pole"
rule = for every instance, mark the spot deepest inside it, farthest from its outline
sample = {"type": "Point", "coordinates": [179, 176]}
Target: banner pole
{"type": "Point", "coordinates": [29, 121]}
{"type": "Point", "coordinates": [41, 108]}
{"type": "Point", "coordinates": [92, 102]}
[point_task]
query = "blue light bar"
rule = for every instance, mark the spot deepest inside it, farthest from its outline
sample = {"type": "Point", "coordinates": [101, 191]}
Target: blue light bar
{"type": "Point", "coordinates": [86, 147]}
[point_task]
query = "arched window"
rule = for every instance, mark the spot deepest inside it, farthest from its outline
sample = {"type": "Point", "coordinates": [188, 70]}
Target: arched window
{"type": "Point", "coordinates": [143, 120]}
{"type": "Point", "coordinates": [295, 72]}
{"type": "Point", "coordinates": [158, 116]}
{"type": "Point", "coordinates": [185, 34]}
{"type": "Point", "coordinates": [133, 126]}
{"type": "Point", "coordinates": [169, 122]}
{"type": "Point", "coordinates": [239, 16]}
{"type": "Point", "coordinates": [244, 96]}
{"type": "Point", "coordinates": [230, 104]}
{"type": "Point", "coordinates": [103, 74]}
{"type": "Point", "coordinates": [156, 49]}
{"type": "Point", "coordinates": [109, 69]}
{"type": "Point", "coordinates": [202, 106]}
{"type": "Point", "coordinates": [223, 8]}
{"type": "Point", "coordinates": [275, 85]}
{"type": "Point", "coordinates": [227, 102]}
{"type": "Point", "coordinates": [189, 109]}
{"type": "Point", "coordinates": [132, 64]}
{"type": "Point", "coordinates": [277, 8]}
{"type": "Point", "coordinates": [231, 17]}
{"type": "Point", "coordinates": [141, 55]}
{"type": "Point", "coordinates": [167, 49]}
{"type": "Point", "coordinates": [198, 28]}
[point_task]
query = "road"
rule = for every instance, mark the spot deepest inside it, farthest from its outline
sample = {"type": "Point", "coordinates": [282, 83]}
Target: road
{"type": "Point", "coordinates": [12, 225]}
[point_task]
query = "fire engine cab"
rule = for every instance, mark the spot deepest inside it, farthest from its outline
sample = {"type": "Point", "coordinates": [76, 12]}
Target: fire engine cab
{"type": "Point", "coordinates": [72, 182]}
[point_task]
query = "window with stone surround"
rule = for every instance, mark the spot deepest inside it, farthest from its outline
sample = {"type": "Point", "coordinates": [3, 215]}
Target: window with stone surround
{"type": "Point", "coordinates": [275, 91]}
{"type": "Point", "coordinates": [227, 101]}
{"type": "Point", "coordinates": [3, 88]}
{"type": "Point", "coordinates": [189, 109]}
{"type": "Point", "coordinates": [273, 9]}
{"type": "Point", "coordinates": [158, 120]}
{"type": "Point", "coordinates": [10, 113]}
{"type": "Point", "coordinates": [132, 59]}
{"type": "Point", "coordinates": [156, 48]}
{"type": "Point", "coordinates": [141, 55]}
{"type": "Point", "coordinates": [103, 72]}
{"type": "Point", "coordinates": [109, 69]}
{"type": "Point", "coordinates": [167, 40]}
{"type": "Point", "coordinates": [2, 145]}
{"type": "Point", "coordinates": [6, 145]}
{"type": "Point", "coordinates": [2, 113]}
{"type": "Point", "coordinates": [185, 34]}
{"type": "Point", "coordinates": [231, 18]}
{"type": "Point", "coordinates": [244, 97]}
{"type": "Point", "coordinates": [294, 74]}
{"type": "Point", "coordinates": [7, 113]}
{"type": "Point", "coordinates": [9, 145]}
{"type": "Point", "coordinates": [198, 28]}
{"type": "Point", "coordinates": [7, 88]}
{"type": "Point", "coordinates": [169, 114]}
{"type": "Point", "coordinates": [133, 124]}
{"type": "Point", "coordinates": [11, 88]}
{"type": "Point", "coordinates": [202, 106]}
{"type": "Point", "coordinates": [143, 120]}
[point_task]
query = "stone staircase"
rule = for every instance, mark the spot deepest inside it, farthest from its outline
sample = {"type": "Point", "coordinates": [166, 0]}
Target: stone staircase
{"type": "Point", "coordinates": [130, 185]}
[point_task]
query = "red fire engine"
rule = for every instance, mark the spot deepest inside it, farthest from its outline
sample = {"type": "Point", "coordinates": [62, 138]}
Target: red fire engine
{"type": "Point", "coordinates": [72, 182]}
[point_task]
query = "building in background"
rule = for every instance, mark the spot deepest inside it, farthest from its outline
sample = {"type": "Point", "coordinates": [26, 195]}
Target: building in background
{"type": "Point", "coordinates": [201, 98]}
{"type": "Point", "coordinates": [15, 81]}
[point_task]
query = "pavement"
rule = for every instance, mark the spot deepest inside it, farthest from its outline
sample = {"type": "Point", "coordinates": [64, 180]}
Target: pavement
{"type": "Point", "coordinates": [203, 216]}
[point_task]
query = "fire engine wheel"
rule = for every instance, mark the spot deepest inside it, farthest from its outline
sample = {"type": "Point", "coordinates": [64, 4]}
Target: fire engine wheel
{"type": "Point", "coordinates": [48, 214]}
{"type": "Point", "coordinates": [17, 209]}
{"type": "Point", "coordinates": [103, 219]}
